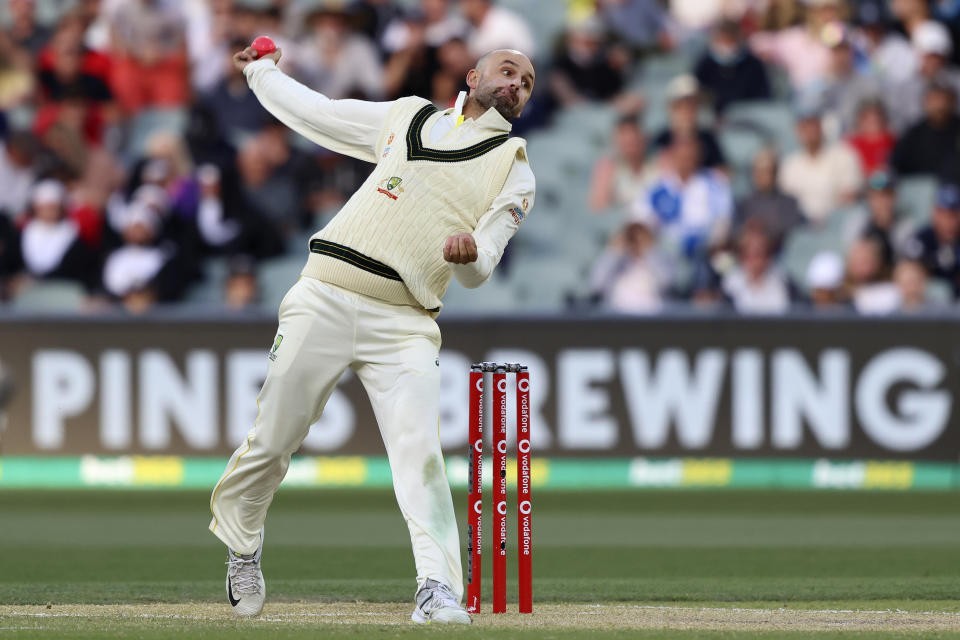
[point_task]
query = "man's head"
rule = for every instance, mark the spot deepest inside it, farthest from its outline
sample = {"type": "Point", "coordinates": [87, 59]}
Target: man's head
{"type": "Point", "coordinates": [502, 79]}
{"type": "Point", "coordinates": [939, 102]}
{"type": "Point", "coordinates": [946, 214]}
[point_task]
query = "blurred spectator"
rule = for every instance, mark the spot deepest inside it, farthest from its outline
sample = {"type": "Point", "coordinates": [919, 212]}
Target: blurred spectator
{"type": "Point", "coordinates": [455, 61]}
{"type": "Point", "coordinates": [698, 15]}
{"type": "Point", "coordinates": [937, 246]}
{"type": "Point", "coordinates": [910, 278]}
{"type": "Point", "coordinates": [132, 273]}
{"type": "Point", "coordinates": [867, 280]}
{"type": "Point", "coordinates": [11, 260]}
{"type": "Point", "coordinates": [50, 242]}
{"type": "Point", "coordinates": [800, 49]}
{"type": "Point", "coordinates": [16, 173]}
{"type": "Point", "coordinates": [947, 12]}
{"type": "Point", "coordinates": [640, 24]}
{"type": "Point", "coordinates": [227, 224]}
{"type": "Point", "coordinates": [338, 62]}
{"type": "Point", "coordinates": [17, 81]}
{"type": "Point", "coordinates": [819, 175]}
{"type": "Point", "coordinates": [728, 71]}
{"type": "Point", "coordinates": [24, 29]}
{"type": "Point", "coordinates": [880, 222]}
{"type": "Point", "coordinates": [241, 290]}
{"type": "Point", "coordinates": [268, 181]}
{"type": "Point", "coordinates": [871, 138]}
{"type": "Point", "coordinates": [930, 146]}
{"type": "Point", "coordinates": [494, 27]}
{"type": "Point", "coordinates": [768, 206]}
{"type": "Point", "coordinates": [843, 88]}
{"type": "Point", "coordinates": [932, 47]}
{"type": "Point", "coordinates": [619, 178]}
{"type": "Point", "coordinates": [73, 77]}
{"type": "Point", "coordinates": [440, 25]}
{"type": "Point", "coordinates": [684, 95]}
{"type": "Point", "coordinates": [692, 206]}
{"type": "Point", "coordinates": [149, 55]}
{"type": "Point", "coordinates": [632, 276]}
{"type": "Point", "coordinates": [585, 68]}
{"type": "Point", "coordinates": [825, 278]}
{"type": "Point", "coordinates": [235, 110]}
{"type": "Point", "coordinates": [409, 71]}
{"type": "Point", "coordinates": [370, 17]}
{"type": "Point", "coordinates": [756, 284]}
{"type": "Point", "coordinates": [889, 54]}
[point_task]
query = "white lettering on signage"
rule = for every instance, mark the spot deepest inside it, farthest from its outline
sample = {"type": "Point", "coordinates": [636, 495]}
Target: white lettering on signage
{"type": "Point", "coordinates": [168, 398]}
{"type": "Point", "coordinates": [583, 409]}
{"type": "Point", "coordinates": [801, 395]}
{"type": "Point", "coordinates": [670, 393]}
{"type": "Point", "coordinates": [63, 385]}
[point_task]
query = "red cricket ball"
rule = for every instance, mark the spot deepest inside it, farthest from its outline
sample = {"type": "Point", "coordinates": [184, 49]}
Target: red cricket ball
{"type": "Point", "coordinates": [263, 46]}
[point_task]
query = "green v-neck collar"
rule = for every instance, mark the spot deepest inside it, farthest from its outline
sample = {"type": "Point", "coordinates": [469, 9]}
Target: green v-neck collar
{"type": "Point", "coordinates": [416, 150]}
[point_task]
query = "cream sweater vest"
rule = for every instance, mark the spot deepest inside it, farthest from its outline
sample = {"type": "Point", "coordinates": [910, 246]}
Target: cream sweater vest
{"type": "Point", "coordinates": [387, 240]}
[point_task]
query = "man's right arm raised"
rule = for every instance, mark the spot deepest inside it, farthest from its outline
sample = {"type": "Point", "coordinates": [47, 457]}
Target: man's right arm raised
{"type": "Point", "coordinates": [350, 127]}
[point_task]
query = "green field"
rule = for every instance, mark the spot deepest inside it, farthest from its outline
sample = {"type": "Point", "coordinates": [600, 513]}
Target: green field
{"type": "Point", "coordinates": [658, 564]}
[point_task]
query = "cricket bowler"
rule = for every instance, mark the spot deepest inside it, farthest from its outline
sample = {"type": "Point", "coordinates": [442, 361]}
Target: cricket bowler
{"type": "Point", "coordinates": [448, 191]}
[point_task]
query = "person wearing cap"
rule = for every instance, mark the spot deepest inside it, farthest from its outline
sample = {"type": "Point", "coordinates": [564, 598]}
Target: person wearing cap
{"type": "Point", "coordinates": [824, 281]}
{"type": "Point", "coordinates": [727, 70]}
{"type": "Point", "coordinates": [822, 176]}
{"type": "Point", "coordinates": [879, 221]}
{"type": "Point", "coordinates": [929, 147]}
{"type": "Point", "coordinates": [50, 242]}
{"type": "Point", "coordinates": [683, 93]}
{"type": "Point", "coordinates": [937, 245]}
{"type": "Point", "coordinates": [932, 46]}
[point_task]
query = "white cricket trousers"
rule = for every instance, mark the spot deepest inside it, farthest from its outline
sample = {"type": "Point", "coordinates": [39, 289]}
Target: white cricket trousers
{"type": "Point", "coordinates": [393, 350]}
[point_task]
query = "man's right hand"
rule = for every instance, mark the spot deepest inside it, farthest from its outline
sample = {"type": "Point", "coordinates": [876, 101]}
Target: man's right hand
{"type": "Point", "coordinates": [242, 58]}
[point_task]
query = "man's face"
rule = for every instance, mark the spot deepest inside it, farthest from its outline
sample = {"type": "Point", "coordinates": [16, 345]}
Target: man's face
{"type": "Point", "coordinates": [504, 81]}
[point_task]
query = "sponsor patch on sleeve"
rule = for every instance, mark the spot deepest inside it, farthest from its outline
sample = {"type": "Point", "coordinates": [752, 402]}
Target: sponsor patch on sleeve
{"type": "Point", "coordinates": [517, 214]}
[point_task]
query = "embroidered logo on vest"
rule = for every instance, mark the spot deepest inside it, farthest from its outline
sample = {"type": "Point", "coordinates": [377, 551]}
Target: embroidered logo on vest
{"type": "Point", "coordinates": [386, 148]}
{"type": "Point", "coordinates": [391, 187]}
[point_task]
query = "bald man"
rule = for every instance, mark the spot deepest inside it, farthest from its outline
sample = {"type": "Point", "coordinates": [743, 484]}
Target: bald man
{"type": "Point", "coordinates": [448, 191]}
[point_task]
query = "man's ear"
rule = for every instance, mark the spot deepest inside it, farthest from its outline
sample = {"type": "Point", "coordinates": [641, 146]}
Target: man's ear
{"type": "Point", "coordinates": [473, 76]}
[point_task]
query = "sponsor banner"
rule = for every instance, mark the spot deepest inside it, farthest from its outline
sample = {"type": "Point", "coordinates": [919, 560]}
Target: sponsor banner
{"type": "Point", "coordinates": [656, 388]}
{"type": "Point", "coordinates": [172, 472]}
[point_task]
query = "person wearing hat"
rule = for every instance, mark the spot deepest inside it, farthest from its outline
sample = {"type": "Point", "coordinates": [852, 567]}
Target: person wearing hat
{"type": "Point", "coordinates": [50, 242]}
{"type": "Point", "coordinates": [824, 280]}
{"type": "Point", "coordinates": [937, 245]}
{"type": "Point", "coordinates": [683, 94]}
{"type": "Point", "coordinates": [929, 147]}
{"type": "Point", "coordinates": [822, 176]}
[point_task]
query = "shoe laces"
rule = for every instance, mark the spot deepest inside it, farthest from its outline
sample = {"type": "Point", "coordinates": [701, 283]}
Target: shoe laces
{"type": "Point", "coordinates": [437, 595]}
{"type": "Point", "coordinates": [244, 575]}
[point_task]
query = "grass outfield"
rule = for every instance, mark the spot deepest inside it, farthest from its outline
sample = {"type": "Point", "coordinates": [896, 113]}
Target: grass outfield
{"type": "Point", "coordinates": [658, 564]}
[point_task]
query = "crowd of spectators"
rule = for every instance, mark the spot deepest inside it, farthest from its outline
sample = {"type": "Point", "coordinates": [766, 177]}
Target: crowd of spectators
{"type": "Point", "coordinates": [872, 88]}
{"type": "Point", "coordinates": [133, 154]}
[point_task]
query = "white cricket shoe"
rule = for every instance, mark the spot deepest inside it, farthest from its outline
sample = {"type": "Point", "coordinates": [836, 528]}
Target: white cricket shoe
{"type": "Point", "coordinates": [246, 589]}
{"type": "Point", "coordinates": [436, 603]}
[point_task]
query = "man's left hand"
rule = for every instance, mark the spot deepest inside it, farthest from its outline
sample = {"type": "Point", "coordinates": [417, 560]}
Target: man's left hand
{"type": "Point", "coordinates": [460, 249]}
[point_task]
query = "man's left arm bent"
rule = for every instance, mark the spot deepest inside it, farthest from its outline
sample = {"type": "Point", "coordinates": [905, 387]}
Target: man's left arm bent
{"type": "Point", "coordinates": [473, 256]}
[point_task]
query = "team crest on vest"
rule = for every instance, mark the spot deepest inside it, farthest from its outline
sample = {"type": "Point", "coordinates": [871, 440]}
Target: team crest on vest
{"type": "Point", "coordinates": [391, 187]}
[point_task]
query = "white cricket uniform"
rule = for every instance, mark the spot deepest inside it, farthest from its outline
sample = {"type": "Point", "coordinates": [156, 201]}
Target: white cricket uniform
{"type": "Point", "coordinates": [342, 313]}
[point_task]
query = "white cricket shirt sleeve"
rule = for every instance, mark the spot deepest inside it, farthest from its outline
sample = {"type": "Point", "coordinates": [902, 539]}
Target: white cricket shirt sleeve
{"type": "Point", "coordinates": [350, 127]}
{"type": "Point", "coordinates": [498, 225]}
